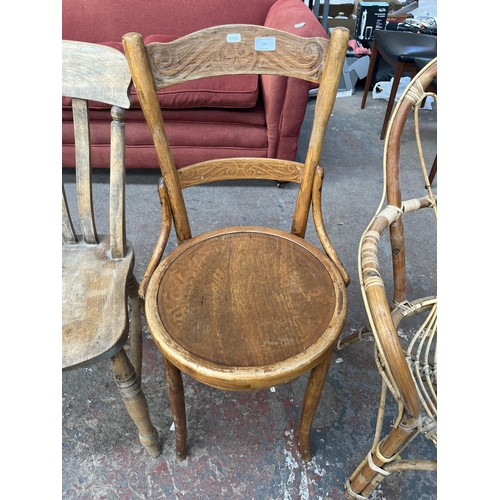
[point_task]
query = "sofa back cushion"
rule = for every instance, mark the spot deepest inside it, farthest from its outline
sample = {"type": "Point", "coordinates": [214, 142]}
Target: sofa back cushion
{"type": "Point", "coordinates": [97, 21]}
{"type": "Point", "coordinates": [234, 91]}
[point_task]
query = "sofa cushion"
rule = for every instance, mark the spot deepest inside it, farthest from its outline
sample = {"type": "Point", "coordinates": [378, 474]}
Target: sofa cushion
{"type": "Point", "coordinates": [97, 20]}
{"type": "Point", "coordinates": [235, 91]}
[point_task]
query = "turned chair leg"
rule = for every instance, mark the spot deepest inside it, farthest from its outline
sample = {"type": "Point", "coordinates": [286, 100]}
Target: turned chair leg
{"type": "Point", "coordinates": [312, 397]}
{"type": "Point", "coordinates": [129, 386]}
{"type": "Point", "coordinates": [175, 388]}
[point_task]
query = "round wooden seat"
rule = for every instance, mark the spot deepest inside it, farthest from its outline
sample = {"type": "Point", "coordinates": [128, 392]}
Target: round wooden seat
{"type": "Point", "coordinates": [251, 307]}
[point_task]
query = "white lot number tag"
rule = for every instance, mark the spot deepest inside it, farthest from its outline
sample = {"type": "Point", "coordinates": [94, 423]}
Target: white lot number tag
{"type": "Point", "coordinates": [265, 43]}
{"type": "Point", "coordinates": [233, 38]}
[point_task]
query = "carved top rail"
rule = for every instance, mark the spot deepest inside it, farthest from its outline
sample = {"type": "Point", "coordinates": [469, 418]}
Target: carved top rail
{"type": "Point", "coordinates": [244, 49]}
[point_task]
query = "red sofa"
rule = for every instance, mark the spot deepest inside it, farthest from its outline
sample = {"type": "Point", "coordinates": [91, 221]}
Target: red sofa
{"type": "Point", "coordinates": [238, 116]}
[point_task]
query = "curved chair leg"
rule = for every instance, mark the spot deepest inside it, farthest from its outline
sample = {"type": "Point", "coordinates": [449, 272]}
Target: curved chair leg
{"type": "Point", "coordinates": [175, 387]}
{"type": "Point", "coordinates": [312, 397]}
{"type": "Point", "coordinates": [130, 388]}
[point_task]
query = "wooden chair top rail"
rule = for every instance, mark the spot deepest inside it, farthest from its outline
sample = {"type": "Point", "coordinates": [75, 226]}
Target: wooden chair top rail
{"type": "Point", "coordinates": [244, 49]}
{"type": "Point", "coordinates": [95, 72]}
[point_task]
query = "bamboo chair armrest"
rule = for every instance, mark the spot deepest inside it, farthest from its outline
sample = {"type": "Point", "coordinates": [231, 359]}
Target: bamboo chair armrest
{"type": "Point", "coordinates": [380, 313]}
{"type": "Point", "coordinates": [320, 226]}
{"type": "Point", "coordinates": [166, 225]}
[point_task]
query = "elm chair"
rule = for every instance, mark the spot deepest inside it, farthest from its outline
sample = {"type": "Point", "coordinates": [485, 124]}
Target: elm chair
{"type": "Point", "coordinates": [399, 49]}
{"type": "Point", "coordinates": [97, 269]}
{"type": "Point", "coordinates": [247, 307]}
{"type": "Point", "coordinates": [404, 328]}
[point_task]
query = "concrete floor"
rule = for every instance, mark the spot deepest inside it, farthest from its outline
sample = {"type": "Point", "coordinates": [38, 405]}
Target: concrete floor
{"type": "Point", "coordinates": [244, 445]}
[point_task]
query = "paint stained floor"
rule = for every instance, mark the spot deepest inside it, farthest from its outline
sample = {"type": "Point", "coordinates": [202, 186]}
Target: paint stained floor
{"type": "Point", "coordinates": [245, 445]}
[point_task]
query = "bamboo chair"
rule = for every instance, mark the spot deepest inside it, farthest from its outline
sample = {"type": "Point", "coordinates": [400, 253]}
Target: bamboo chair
{"type": "Point", "coordinates": [97, 269]}
{"type": "Point", "coordinates": [242, 308]}
{"type": "Point", "coordinates": [410, 373]}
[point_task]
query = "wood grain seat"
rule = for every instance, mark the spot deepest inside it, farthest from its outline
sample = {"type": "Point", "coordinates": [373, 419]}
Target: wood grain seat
{"type": "Point", "coordinates": [253, 298]}
{"type": "Point", "coordinates": [94, 315]}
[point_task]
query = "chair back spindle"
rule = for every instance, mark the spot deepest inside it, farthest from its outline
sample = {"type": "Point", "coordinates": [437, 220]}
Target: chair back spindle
{"type": "Point", "coordinates": [104, 83]}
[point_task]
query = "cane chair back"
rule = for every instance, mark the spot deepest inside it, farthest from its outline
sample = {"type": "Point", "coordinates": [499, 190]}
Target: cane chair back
{"type": "Point", "coordinates": [246, 307]}
{"type": "Point", "coordinates": [97, 269]}
{"type": "Point", "coordinates": [408, 367]}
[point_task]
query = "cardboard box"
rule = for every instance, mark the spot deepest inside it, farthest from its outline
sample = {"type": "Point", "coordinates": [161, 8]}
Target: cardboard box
{"type": "Point", "coordinates": [371, 16]}
{"type": "Point", "coordinates": [335, 11]}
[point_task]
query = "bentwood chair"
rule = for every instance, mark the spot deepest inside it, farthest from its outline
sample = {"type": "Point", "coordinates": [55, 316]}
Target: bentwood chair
{"type": "Point", "coordinates": [97, 269]}
{"type": "Point", "coordinates": [243, 308]}
{"type": "Point", "coordinates": [408, 367]}
{"type": "Point", "coordinates": [399, 49]}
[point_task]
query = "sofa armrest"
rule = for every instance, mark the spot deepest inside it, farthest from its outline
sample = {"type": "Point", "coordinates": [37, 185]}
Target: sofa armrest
{"type": "Point", "coordinates": [285, 99]}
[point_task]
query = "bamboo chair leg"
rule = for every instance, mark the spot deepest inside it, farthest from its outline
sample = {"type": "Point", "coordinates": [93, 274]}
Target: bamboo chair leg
{"type": "Point", "coordinates": [312, 397]}
{"type": "Point", "coordinates": [175, 387]}
{"type": "Point", "coordinates": [366, 479]}
{"type": "Point", "coordinates": [130, 389]}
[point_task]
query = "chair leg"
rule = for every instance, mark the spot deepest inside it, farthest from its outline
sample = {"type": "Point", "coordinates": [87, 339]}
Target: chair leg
{"type": "Point", "coordinates": [371, 68]}
{"type": "Point", "coordinates": [136, 335]}
{"type": "Point", "coordinates": [392, 98]}
{"type": "Point", "coordinates": [130, 389]}
{"type": "Point", "coordinates": [135, 330]}
{"type": "Point", "coordinates": [366, 477]}
{"type": "Point", "coordinates": [433, 171]}
{"type": "Point", "coordinates": [312, 397]}
{"type": "Point", "coordinates": [175, 387]}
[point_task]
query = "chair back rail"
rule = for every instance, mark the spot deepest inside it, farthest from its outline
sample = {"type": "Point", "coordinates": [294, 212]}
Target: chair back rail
{"type": "Point", "coordinates": [411, 97]}
{"type": "Point", "coordinates": [211, 52]}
